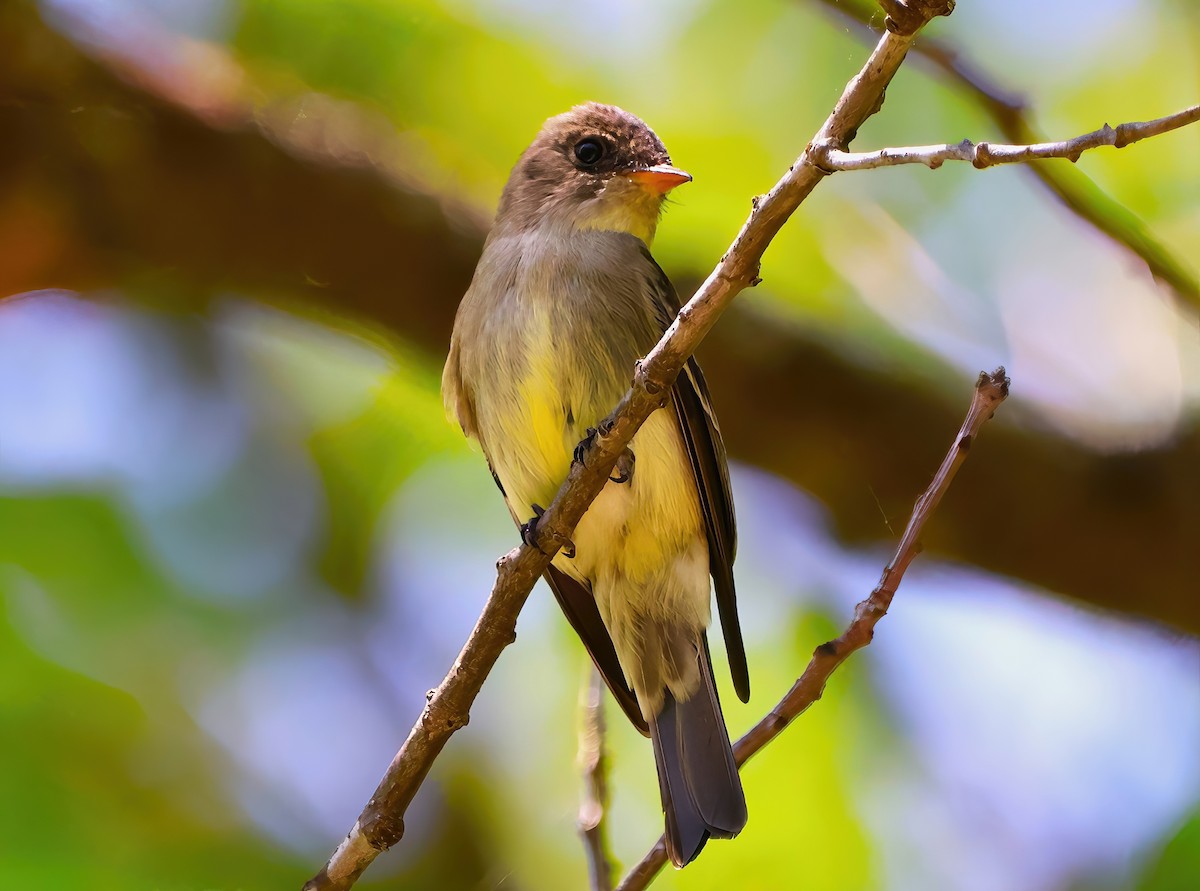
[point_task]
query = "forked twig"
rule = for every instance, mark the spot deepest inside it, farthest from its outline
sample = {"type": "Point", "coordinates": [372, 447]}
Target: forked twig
{"type": "Point", "coordinates": [987, 154]}
{"type": "Point", "coordinates": [990, 391]}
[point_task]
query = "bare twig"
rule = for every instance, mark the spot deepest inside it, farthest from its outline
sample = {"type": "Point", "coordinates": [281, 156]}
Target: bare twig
{"type": "Point", "coordinates": [990, 391]}
{"type": "Point", "coordinates": [593, 763]}
{"type": "Point", "coordinates": [1012, 117]}
{"type": "Point", "coordinates": [381, 823]}
{"type": "Point", "coordinates": [986, 154]}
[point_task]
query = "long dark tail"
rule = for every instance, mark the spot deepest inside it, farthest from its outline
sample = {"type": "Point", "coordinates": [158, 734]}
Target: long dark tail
{"type": "Point", "coordinates": [701, 792]}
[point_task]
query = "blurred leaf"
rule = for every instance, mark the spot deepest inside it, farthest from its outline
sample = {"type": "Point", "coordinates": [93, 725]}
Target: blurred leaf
{"type": "Point", "coordinates": [90, 797]}
{"type": "Point", "coordinates": [364, 461]}
{"type": "Point", "coordinates": [1178, 866]}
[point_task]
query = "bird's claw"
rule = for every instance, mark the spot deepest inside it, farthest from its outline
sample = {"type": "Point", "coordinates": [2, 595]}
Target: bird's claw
{"type": "Point", "coordinates": [529, 529]}
{"type": "Point", "coordinates": [624, 467]}
{"type": "Point", "coordinates": [529, 534]}
{"type": "Point", "coordinates": [584, 445]}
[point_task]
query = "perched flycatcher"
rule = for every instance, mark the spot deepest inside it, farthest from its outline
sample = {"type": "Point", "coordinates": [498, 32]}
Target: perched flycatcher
{"type": "Point", "coordinates": [565, 300]}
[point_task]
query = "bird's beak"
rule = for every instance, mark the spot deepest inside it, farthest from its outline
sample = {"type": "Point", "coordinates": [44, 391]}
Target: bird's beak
{"type": "Point", "coordinates": [659, 179]}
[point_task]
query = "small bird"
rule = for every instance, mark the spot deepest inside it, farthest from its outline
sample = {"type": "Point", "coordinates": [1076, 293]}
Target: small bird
{"type": "Point", "coordinates": [565, 299]}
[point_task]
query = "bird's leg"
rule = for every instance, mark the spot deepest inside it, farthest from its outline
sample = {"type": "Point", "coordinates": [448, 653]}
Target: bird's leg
{"type": "Point", "coordinates": [624, 467]}
{"type": "Point", "coordinates": [529, 534]}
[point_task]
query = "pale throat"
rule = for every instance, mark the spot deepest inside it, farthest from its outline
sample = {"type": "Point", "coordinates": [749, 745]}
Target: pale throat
{"type": "Point", "coordinates": [622, 207]}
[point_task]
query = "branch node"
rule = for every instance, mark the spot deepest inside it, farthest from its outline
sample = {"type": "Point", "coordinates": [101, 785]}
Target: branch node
{"type": "Point", "coordinates": [818, 152]}
{"type": "Point", "coordinates": [641, 378]}
{"type": "Point", "coordinates": [998, 380]}
{"type": "Point", "coordinates": [507, 558]}
{"type": "Point", "coordinates": [382, 830]}
{"type": "Point", "coordinates": [906, 17]}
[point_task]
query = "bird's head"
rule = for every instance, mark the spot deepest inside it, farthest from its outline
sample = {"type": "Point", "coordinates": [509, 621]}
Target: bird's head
{"type": "Point", "coordinates": [593, 167]}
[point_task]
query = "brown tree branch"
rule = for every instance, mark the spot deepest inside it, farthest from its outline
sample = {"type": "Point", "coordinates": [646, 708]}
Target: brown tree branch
{"type": "Point", "coordinates": [990, 391]}
{"type": "Point", "coordinates": [1012, 117]}
{"type": "Point", "coordinates": [985, 154]}
{"type": "Point", "coordinates": [381, 823]}
{"type": "Point", "coordinates": [593, 763]}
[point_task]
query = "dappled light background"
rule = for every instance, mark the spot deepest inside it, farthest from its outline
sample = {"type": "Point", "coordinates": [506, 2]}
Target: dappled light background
{"type": "Point", "coordinates": [239, 539]}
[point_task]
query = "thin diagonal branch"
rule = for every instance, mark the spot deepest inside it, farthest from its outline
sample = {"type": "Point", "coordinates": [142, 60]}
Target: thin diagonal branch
{"type": "Point", "coordinates": [381, 823]}
{"type": "Point", "coordinates": [990, 391]}
{"type": "Point", "coordinates": [593, 763]}
{"type": "Point", "coordinates": [1012, 117]}
{"type": "Point", "coordinates": [986, 154]}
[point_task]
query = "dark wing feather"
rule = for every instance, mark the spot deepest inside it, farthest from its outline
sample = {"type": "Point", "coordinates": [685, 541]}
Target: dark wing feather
{"type": "Point", "coordinates": [706, 449]}
{"type": "Point", "coordinates": [579, 606]}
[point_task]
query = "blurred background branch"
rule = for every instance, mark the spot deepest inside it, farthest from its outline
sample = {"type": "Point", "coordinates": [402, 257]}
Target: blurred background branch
{"type": "Point", "coordinates": [593, 765]}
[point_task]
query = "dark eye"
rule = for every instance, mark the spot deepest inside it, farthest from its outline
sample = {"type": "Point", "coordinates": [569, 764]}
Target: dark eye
{"type": "Point", "coordinates": [589, 151]}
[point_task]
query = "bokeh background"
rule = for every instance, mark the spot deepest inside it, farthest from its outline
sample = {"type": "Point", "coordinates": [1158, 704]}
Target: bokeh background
{"type": "Point", "coordinates": [239, 540]}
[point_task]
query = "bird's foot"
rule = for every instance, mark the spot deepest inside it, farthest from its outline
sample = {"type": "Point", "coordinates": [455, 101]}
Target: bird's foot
{"type": "Point", "coordinates": [529, 530]}
{"type": "Point", "coordinates": [624, 467]}
{"type": "Point", "coordinates": [602, 429]}
{"type": "Point", "coordinates": [529, 534]}
{"type": "Point", "coordinates": [623, 471]}
{"type": "Point", "coordinates": [584, 446]}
